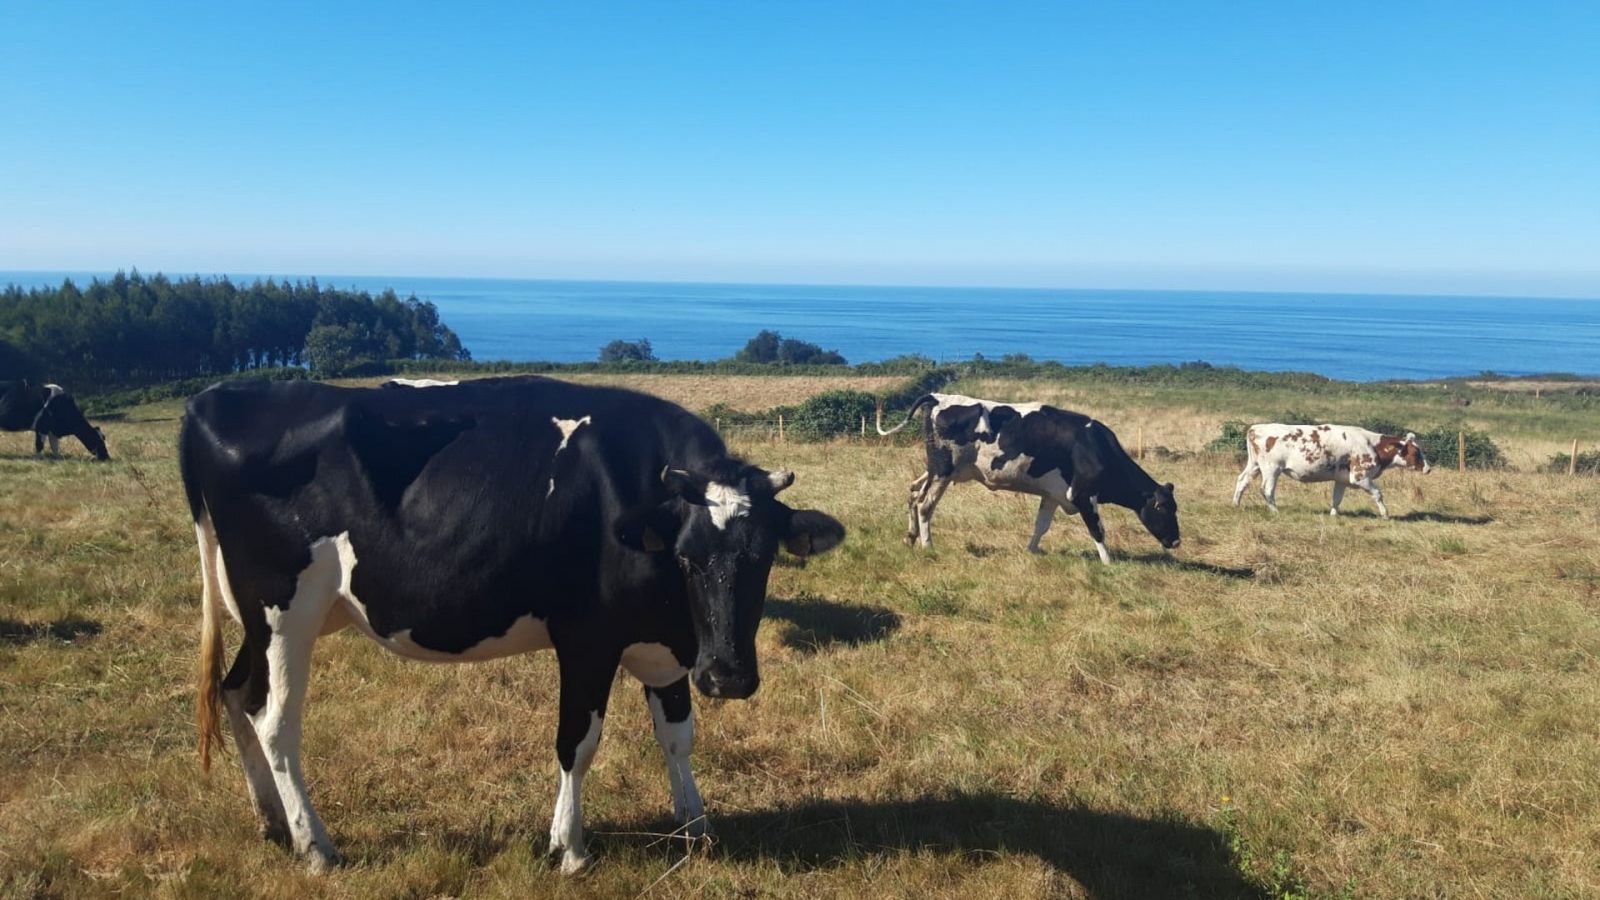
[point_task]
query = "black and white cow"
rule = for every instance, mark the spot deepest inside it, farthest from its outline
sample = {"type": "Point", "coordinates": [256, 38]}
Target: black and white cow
{"type": "Point", "coordinates": [50, 413]}
{"type": "Point", "coordinates": [468, 522]}
{"type": "Point", "coordinates": [1066, 458]}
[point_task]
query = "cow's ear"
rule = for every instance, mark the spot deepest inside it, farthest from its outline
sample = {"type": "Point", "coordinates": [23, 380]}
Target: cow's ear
{"type": "Point", "coordinates": [1170, 488]}
{"type": "Point", "coordinates": [1411, 437]}
{"type": "Point", "coordinates": [648, 528]}
{"type": "Point", "coordinates": [685, 485]}
{"type": "Point", "coordinates": [811, 532]}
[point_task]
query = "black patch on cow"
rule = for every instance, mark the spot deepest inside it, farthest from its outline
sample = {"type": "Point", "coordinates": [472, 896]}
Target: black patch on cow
{"type": "Point", "coordinates": [958, 423]}
{"type": "Point", "coordinates": [394, 450]}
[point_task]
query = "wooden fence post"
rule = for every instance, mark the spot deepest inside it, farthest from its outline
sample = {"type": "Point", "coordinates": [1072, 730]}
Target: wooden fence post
{"type": "Point", "coordinates": [1141, 444]}
{"type": "Point", "coordinates": [1461, 451]}
{"type": "Point", "coordinates": [780, 428]}
{"type": "Point", "coordinates": [863, 426]}
{"type": "Point", "coordinates": [719, 425]}
{"type": "Point", "coordinates": [1572, 464]}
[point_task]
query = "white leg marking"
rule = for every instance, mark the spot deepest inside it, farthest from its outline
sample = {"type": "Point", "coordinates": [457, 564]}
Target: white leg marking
{"type": "Point", "coordinates": [566, 427]}
{"type": "Point", "coordinates": [566, 827]}
{"type": "Point", "coordinates": [1105, 555]}
{"type": "Point", "coordinates": [1269, 487]}
{"type": "Point", "coordinates": [930, 502]}
{"type": "Point", "coordinates": [278, 723]}
{"type": "Point", "coordinates": [55, 444]}
{"type": "Point", "coordinates": [257, 773]}
{"type": "Point", "coordinates": [1041, 522]}
{"type": "Point", "coordinates": [677, 742]}
{"type": "Point", "coordinates": [1338, 496]}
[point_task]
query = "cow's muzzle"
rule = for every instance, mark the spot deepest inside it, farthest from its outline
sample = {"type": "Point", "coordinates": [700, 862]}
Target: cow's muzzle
{"type": "Point", "coordinates": [718, 679]}
{"type": "Point", "coordinates": [1174, 543]}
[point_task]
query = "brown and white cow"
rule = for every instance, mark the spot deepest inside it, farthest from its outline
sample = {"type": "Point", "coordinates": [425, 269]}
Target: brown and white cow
{"type": "Point", "coordinates": [1343, 454]}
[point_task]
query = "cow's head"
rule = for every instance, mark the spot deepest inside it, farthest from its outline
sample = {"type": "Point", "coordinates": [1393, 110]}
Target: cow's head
{"type": "Point", "coordinates": [1160, 515]}
{"type": "Point", "coordinates": [1411, 453]}
{"type": "Point", "coordinates": [724, 527]}
{"type": "Point", "coordinates": [1404, 452]}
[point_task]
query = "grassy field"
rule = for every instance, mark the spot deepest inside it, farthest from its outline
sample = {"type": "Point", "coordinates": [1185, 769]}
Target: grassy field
{"type": "Point", "coordinates": [1290, 705]}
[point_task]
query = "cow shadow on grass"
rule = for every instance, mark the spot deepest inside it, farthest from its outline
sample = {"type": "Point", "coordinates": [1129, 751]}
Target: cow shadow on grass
{"type": "Point", "coordinates": [1438, 518]}
{"type": "Point", "coordinates": [1110, 854]}
{"type": "Point", "coordinates": [1191, 565]}
{"type": "Point", "coordinates": [67, 630]}
{"type": "Point", "coordinates": [818, 624]}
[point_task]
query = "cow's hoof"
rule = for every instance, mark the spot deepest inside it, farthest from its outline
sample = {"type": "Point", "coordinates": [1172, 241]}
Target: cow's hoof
{"type": "Point", "coordinates": [911, 540]}
{"type": "Point", "coordinates": [320, 860]}
{"type": "Point", "coordinates": [1036, 551]}
{"type": "Point", "coordinates": [575, 863]}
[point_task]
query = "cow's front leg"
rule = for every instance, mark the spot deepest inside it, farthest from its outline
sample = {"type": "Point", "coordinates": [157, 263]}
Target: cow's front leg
{"type": "Point", "coordinates": [1090, 510]}
{"type": "Point", "coordinates": [1041, 523]}
{"type": "Point", "coordinates": [585, 687]}
{"type": "Point", "coordinates": [673, 713]}
{"type": "Point", "coordinates": [1338, 496]}
{"type": "Point", "coordinates": [1377, 496]}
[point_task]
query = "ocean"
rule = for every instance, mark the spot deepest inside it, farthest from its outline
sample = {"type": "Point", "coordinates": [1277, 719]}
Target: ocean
{"type": "Point", "coordinates": [1363, 337]}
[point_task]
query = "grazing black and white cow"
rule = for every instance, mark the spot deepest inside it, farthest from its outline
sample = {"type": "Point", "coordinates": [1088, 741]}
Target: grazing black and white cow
{"type": "Point", "coordinates": [50, 413]}
{"type": "Point", "coordinates": [468, 522]}
{"type": "Point", "coordinates": [1343, 454]}
{"type": "Point", "coordinates": [1066, 458]}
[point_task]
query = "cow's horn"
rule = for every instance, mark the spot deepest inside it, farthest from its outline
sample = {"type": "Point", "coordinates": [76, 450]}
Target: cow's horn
{"type": "Point", "coordinates": [780, 479]}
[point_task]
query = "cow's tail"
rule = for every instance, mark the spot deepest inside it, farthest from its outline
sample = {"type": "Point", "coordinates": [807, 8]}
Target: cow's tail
{"type": "Point", "coordinates": [924, 400]}
{"type": "Point", "coordinates": [208, 700]}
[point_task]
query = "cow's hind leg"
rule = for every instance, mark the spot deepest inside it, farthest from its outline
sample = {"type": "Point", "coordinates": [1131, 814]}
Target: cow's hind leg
{"type": "Point", "coordinates": [673, 713]}
{"type": "Point", "coordinates": [237, 687]}
{"type": "Point", "coordinates": [1041, 522]}
{"type": "Point", "coordinates": [930, 501]}
{"type": "Point", "coordinates": [913, 500]}
{"type": "Point", "coordinates": [1250, 470]}
{"type": "Point", "coordinates": [585, 687]}
{"type": "Point", "coordinates": [1269, 486]}
{"type": "Point", "coordinates": [277, 721]}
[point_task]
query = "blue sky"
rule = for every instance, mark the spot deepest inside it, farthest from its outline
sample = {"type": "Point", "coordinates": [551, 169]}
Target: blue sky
{"type": "Point", "coordinates": [1417, 146]}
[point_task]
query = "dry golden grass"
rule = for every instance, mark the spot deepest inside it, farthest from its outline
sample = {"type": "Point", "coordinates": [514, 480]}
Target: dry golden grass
{"type": "Point", "coordinates": [746, 393]}
{"type": "Point", "coordinates": [1378, 708]}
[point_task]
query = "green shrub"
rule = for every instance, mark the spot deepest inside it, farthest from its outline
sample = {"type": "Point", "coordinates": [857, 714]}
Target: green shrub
{"type": "Point", "coordinates": [1439, 445]}
{"type": "Point", "coordinates": [1588, 463]}
{"type": "Point", "coordinates": [1231, 440]}
{"type": "Point", "coordinates": [831, 413]}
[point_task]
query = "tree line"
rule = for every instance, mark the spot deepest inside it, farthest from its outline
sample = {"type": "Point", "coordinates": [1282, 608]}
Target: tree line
{"type": "Point", "coordinates": [132, 329]}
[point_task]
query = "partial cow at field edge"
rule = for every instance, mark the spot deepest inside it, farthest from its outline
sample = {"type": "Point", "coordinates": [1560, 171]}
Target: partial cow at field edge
{"type": "Point", "coordinates": [50, 413]}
